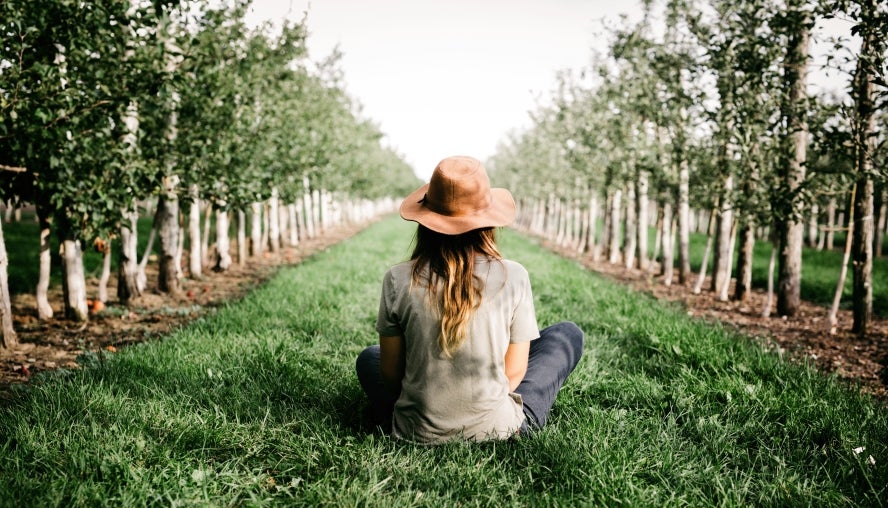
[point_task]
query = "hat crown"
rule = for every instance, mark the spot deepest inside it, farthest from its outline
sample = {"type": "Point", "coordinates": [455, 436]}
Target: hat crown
{"type": "Point", "coordinates": [458, 199]}
{"type": "Point", "coordinates": [459, 186]}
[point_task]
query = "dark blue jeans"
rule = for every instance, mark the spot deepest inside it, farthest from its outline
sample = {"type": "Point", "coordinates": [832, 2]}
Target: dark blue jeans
{"type": "Point", "coordinates": [552, 358]}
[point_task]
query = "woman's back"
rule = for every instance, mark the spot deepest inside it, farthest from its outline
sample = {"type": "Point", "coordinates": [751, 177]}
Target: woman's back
{"type": "Point", "coordinates": [467, 394]}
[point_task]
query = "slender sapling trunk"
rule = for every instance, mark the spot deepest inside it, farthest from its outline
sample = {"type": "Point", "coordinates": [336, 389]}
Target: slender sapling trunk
{"type": "Point", "coordinates": [44, 309]}
{"type": "Point", "coordinates": [7, 332]}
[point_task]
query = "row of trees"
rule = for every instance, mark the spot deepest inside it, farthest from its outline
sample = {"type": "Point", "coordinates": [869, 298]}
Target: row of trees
{"type": "Point", "coordinates": [713, 114]}
{"type": "Point", "coordinates": [108, 103]}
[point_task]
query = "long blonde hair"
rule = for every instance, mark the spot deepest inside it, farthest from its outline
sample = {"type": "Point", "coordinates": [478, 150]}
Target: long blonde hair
{"type": "Point", "coordinates": [451, 271]}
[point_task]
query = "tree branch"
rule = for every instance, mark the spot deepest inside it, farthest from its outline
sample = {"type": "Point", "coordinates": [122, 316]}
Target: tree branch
{"type": "Point", "coordinates": [14, 169]}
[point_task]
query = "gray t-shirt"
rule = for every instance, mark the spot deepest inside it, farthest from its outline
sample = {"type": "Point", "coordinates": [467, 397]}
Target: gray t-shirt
{"type": "Point", "coordinates": [465, 396]}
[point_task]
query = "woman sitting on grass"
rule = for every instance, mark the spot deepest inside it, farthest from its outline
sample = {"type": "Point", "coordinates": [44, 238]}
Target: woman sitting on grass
{"type": "Point", "coordinates": [460, 355]}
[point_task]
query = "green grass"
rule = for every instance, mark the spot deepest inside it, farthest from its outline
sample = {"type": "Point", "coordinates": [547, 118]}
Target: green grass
{"type": "Point", "coordinates": [258, 404]}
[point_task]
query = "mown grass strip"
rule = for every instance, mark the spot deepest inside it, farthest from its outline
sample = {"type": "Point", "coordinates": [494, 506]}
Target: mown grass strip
{"type": "Point", "coordinates": [258, 404]}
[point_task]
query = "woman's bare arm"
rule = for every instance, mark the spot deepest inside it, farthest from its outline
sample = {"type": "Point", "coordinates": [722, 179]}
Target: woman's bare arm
{"type": "Point", "coordinates": [516, 363]}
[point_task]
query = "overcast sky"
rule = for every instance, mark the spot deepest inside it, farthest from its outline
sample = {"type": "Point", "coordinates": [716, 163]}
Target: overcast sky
{"type": "Point", "coordinates": [451, 77]}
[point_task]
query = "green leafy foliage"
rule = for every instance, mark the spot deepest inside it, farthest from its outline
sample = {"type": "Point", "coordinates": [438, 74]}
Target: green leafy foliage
{"type": "Point", "coordinates": [233, 110]}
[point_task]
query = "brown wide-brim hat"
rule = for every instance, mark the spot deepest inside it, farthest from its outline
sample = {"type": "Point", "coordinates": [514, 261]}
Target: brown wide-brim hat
{"type": "Point", "coordinates": [458, 199]}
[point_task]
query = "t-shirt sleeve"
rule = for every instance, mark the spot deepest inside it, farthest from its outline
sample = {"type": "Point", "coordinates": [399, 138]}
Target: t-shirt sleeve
{"type": "Point", "coordinates": [524, 324]}
{"type": "Point", "coordinates": [387, 320]}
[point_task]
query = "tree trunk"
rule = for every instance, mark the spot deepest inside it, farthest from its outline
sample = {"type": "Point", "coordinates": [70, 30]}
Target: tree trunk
{"type": "Point", "coordinates": [73, 277]}
{"type": "Point", "coordinates": [643, 215]}
{"type": "Point", "coordinates": [283, 224]}
{"type": "Point", "coordinates": [790, 272]}
{"type": "Point", "coordinates": [241, 237]}
{"type": "Point", "coordinates": [813, 225]}
{"type": "Point", "coordinates": [316, 211]}
{"type": "Point", "coordinates": [166, 220]}
{"type": "Point", "coordinates": [141, 278]}
{"type": "Point", "coordinates": [658, 241]}
{"type": "Point", "coordinates": [309, 214]}
{"type": "Point", "coordinates": [546, 216]}
{"type": "Point", "coordinates": [591, 243]}
{"type": "Point", "coordinates": [772, 263]}
{"type": "Point", "coordinates": [106, 272]}
{"type": "Point", "coordinates": [630, 232]}
{"type": "Point", "coordinates": [128, 266]}
{"type": "Point", "coordinates": [44, 309]}
{"type": "Point", "coordinates": [721, 262]}
{"type": "Point", "coordinates": [205, 234]}
{"type": "Point", "coordinates": [195, 254]}
{"type": "Point", "coordinates": [830, 223]}
{"type": "Point", "coordinates": [565, 220]}
{"type": "Point", "coordinates": [300, 219]}
{"type": "Point", "coordinates": [583, 222]}
{"type": "Point", "coordinates": [274, 226]}
{"type": "Point", "coordinates": [701, 277]}
{"type": "Point", "coordinates": [684, 227]}
{"type": "Point", "coordinates": [579, 219]}
{"type": "Point", "coordinates": [614, 229]}
{"type": "Point", "coordinates": [256, 246]}
{"type": "Point", "coordinates": [726, 283]}
{"type": "Point", "coordinates": [881, 209]}
{"type": "Point", "coordinates": [223, 245]}
{"type": "Point", "coordinates": [128, 289]}
{"type": "Point", "coordinates": [843, 272]}
{"type": "Point", "coordinates": [7, 332]}
{"type": "Point", "coordinates": [868, 63]}
{"type": "Point", "coordinates": [539, 217]}
{"type": "Point", "coordinates": [294, 225]}
{"type": "Point", "coordinates": [10, 208]}
{"type": "Point", "coordinates": [180, 249]}
{"type": "Point", "coordinates": [560, 237]}
{"type": "Point", "coordinates": [862, 251]}
{"type": "Point", "coordinates": [792, 175]}
{"type": "Point", "coordinates": [667, 242]}
{"type": "Point", "coordinates": [744, 260]}
{"type": "Point", "coordinates": [605, 234]}
{"type": "Point", "coordinates": [326, 212]}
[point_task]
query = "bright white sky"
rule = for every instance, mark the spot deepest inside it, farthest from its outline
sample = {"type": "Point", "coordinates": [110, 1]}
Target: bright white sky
{"type": "Point", "coordinates": [448, 77]}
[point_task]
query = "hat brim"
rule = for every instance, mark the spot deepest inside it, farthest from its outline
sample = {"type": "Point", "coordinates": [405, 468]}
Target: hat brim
{"type": "Point", "coordinates": [500, 213]}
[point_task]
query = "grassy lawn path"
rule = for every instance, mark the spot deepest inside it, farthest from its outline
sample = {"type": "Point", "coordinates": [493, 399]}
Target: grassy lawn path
{"type": "Point", "coordinates": [258, 404]}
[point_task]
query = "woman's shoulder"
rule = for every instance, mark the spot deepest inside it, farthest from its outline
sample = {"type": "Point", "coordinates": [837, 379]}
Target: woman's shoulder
{"type": "Point", "coordinates": [404, 266]}
{"type": "Point", "coordinates": [514, 266]}
{"type": "Point", "coordinates": [400, 270]}
{"type": "Point", "coordinates": [511, 270]}
{"type": "Point", "coordinates": [397, 277]}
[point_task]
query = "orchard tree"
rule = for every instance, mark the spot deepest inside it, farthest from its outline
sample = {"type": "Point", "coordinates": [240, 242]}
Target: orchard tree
{"type": "Point", "coordinates": [70, 78]}
{"type": "Point", "coordinates": [794, 25]}
{"type": "Point", "coordinates": [680, 99]}
{"type": "Point", "coordinates": [753, 73]}
{"type": "Point", "coordinates": [871, 24]}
